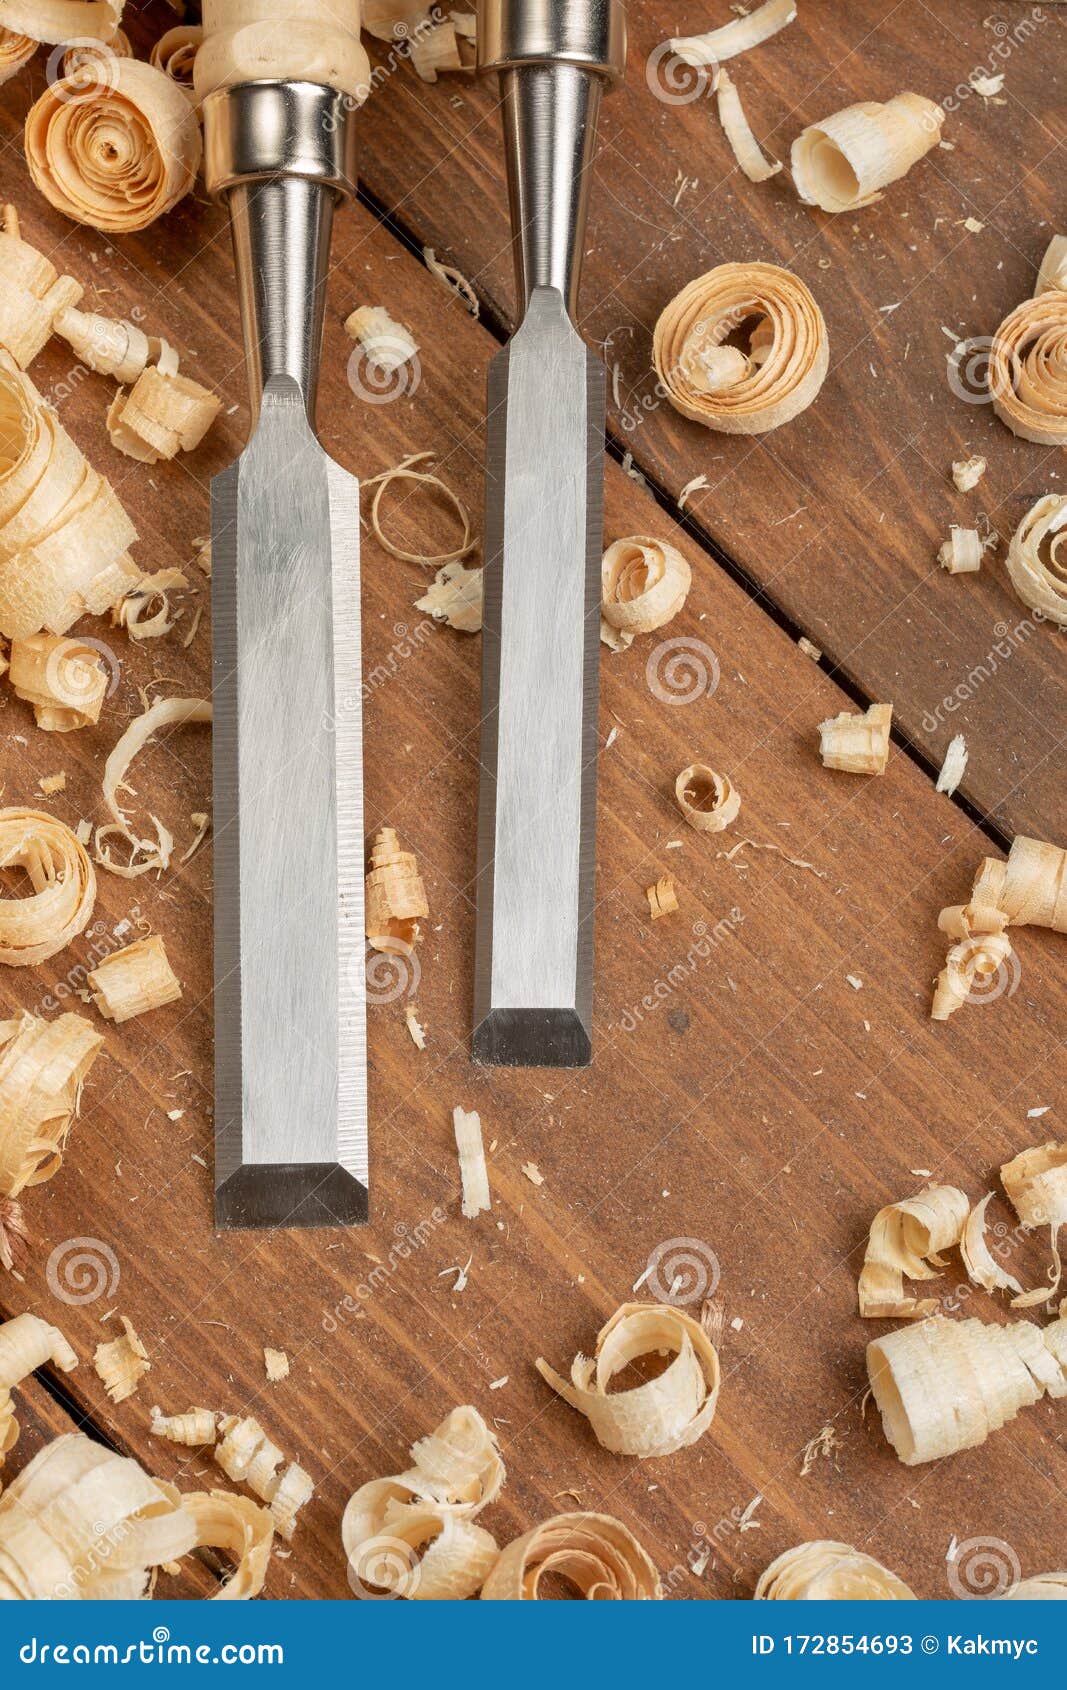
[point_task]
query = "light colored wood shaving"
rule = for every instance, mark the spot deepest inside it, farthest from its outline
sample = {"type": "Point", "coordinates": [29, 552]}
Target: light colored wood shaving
{"type": "Point", "coordinates": [93, 56]}
{"type": "Point", "coordinates": [982, 1266]}
{"type": "Point", "coordinates": [452, 279]}
{"type": "Point", "coordinates": [435, 50]}
{"type": "Point", "coordinates": [385, 18]}
{"type": "Point", "coordinates": [1030, 889]}
{"type": "Point", "coordinates": [1052, 272]}
{"type": "Point", "coordinates": [595, 1554]}
{"type": "Point", "coordinates": [405, 471]}
{"type": "Point", "coordinates": [161, 415]}
{"type": "Point", "coordinates": [146, 854]}
{"type": "Point", "coordinates": [16, 51]}
{"type": "Point", "coordinates": [973, 966]}
{"type": "Point", "coordinates": [747, 388]}
{"type": "Point", "coordinates": [842, 163]}
{"type": "Point", "coordinates": [64, 536]}
{"type": "Point", "coordinates": [26, 1343]}
{"type": "Point", "coordinates": [829, 1572]}
{"type": "Point", "coordinates": [968, 472]}
{"type": "Point", "coordinates": [768, 845]}
{"type": "Point", "coordinates": [32, 292]}
{"type": "Point", "coordinates": [240, 1530]}
{"type": "Point", "coordinates": [1040, 1587]}
{"type": "Point", "coordinates": [533, 1173]}
{"type": "Point", "coordinates": [114, 152]}
{"type": "Point", "coordinates": [132, 612]}
{"type": "Point", "coordinates": [961, 553]}
{"type": "Point", "coordinates": [662, 897]}
{"type": "Point", "coordinates": [64, 680]}
{"type": "Point", "coordinates": [175, 53]}
{"type": "Point", "coordinates": [62, 882]}
{"type": "Point", "coordinates": [417, 1031]}
{"type": "Point", "coordinates": [644, 583]}
{"type": "Point", "coordinates": [954, 766]}
{"type": "Point", "coordinates": [905, 1243]}
{"type": "Point", "coordinates": [276, 1363]}
{"type": "Point", "coordinates": [395, 896]}
{"type": "Point", "coordinates": [455, 597]}
{"type": "Point", "coordinates": [387, 343]}
{"type": "Point", "coordinates": [412, 1534]}
{"type": "Point", "coordinates": [113, 347]}
{"type": "Point", "coordinates": [1028, 369]}
{"type": "Point", "coordinates": [43, 1065]}
{"type": "Point", "coordinates": [57, 21]}
{"type": "Point", "coordinates": [473, 1174]}
{"type": "Point", "coordinates": [248, 1456]}
{"type": "Point", "coordinates": [664, 1414]}
{"type": "Point", "coordinates": [743, 33]}
{"type": "Point", "coordinates": [288, 40]}
{"type": "Point", "coordinates": [1037, 558]}
{"type": "Point", "coordinates": [750, 156]}
{"type": "Point", "coordinates": [1036, 1184]}
{"type": "Point", "coordinates": [122, 1363]}
{"type": "Point", "coordinates": [134, 980]}
{"type": "Point", "coordinates": [192, 1429]}
{"type": "Point", "coordinates": [707, 800]}
{"type": "Point", "coordinates": [857, 745]}
{"type": "Point", "coordinates": [52, 783]}
{"type": "Point", "coordinates": [820, 1447]}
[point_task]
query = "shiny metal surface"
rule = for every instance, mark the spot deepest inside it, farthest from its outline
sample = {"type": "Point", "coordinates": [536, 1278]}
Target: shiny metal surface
{"type": "Point", "coordinates": [544, 522]}
{"type": "Point", "coordinates": [590, 33]}
{"type": "Point", "coordinates": [290, 1009]}
{"type": "Point", "coordinates": [255, 130]}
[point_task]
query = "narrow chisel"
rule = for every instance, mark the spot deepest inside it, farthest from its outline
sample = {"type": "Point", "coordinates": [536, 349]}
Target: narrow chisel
{"type": "Point", "coordinates": [543, 541]}
{"type": "Point", "coordinates": [290, 992]}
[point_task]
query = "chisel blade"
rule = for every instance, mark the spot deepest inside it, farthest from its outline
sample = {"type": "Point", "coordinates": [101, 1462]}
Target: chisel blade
{"type": "Point", "coordinates": [537, 799]}
{"type": "Point", "coordinates": [290, 1021]}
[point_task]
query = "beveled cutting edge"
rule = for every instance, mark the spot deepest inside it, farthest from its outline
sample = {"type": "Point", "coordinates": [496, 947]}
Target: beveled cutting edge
{"type": "Point", "coordinates": [544, 522]}
{"type": "Point", "coordinates": [290, 994]}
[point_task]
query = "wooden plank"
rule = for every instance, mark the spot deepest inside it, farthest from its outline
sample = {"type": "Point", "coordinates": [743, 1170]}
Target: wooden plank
{"type": "Point", "coordinates": [837, 517]}
{"type": "Point", "coordinates": [754, 1101]}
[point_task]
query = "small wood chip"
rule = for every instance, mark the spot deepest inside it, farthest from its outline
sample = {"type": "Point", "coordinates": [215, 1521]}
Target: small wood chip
{"type": "Point", "coordinates": [276, 1363]}
{"type": "Point", "coordinates": [122, 1363]}
{"type": "Point", "coordinates": [474, 1176]}
{"type": "Point", "coordinates": [662, 898]}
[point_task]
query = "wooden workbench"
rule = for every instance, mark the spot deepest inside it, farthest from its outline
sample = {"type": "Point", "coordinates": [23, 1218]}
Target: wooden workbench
{"type": "Point", "coordinates": [756, 1102]}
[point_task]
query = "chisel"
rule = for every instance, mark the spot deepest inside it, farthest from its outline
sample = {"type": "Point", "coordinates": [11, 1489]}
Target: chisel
{"type": "Point", "coordinates": [543, 541]}
{"type": "Point", "coordinates": [290, 989]}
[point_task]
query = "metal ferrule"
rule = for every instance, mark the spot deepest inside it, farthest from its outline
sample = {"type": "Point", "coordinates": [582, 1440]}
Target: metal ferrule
{"type": "Point", "coordinates": [588, 33]}
{"type": "Point", "coordinates": [281, 154]}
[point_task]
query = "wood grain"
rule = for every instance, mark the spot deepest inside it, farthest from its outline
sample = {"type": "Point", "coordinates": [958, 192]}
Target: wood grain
{"type": "Point", "coordinates": [837, 518]}
{"type": "Point", "coordinates": [751, 1099]}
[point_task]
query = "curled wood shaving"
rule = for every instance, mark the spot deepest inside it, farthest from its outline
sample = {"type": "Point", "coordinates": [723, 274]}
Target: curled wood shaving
{"type": "Point", "coordinates": [131, 612]}
{"type": "Point", "coordinates": [1052, 272]}
{"type": "Point", "coordinates": [954, 766]}
{"type": "Point", "coordinates": [1040, 1587]}
{"type": "Point", "coordinates": [1037, 558]}
{"type": "Point", "coordinates": [716, 45]}
{"type": "Point", "coordinates": [707, 800]}
{"type": "Point", "coordinates": [967, 473]}
{"type": "Point", "coordinates": [387, 343]}
{"type": "Point", "coordinates": [64, 537]}
{"type": "Point", "coordinates": [413, 1533]}
{"type": "Point", "coordinates": [842, 163]}
{"type": "Point", "coordinates": [82, 1522]}
{"type": "Point", "coordinates": [982, 1266]}
{"type": "Point", "coordinates": [134, 980]}
{"type": "Point", "coordinates": [473, 1174]}
{"type": "Point", "coordinates": [944, 1385]}
{"type": "Point", "coordinates": [1030, 889]}
{"type": "Point", "coordinates": [969, 967]}
{"type": "Point", "coordinates": [93, 57]}
{"type": "Point", "coordinates": [664, 1414]}
{"type": "Point", "coordinates": [42, 1067]}
{"type": "Point", "coordinates": [662, 897]}
{"type": "Point", "coordinates": [26, 1343]}
{"type": "Point", "coordinates": [62, 881]}
{"type": "Point", "coordinates": [113, 347]}
{"type": "Point", "coordinates": [241, 1530]}
{"type": "Point", "coordinates": [16, 51]}
{"type": "Point", "coordinates": [829, 1572]}
{"type": "Point", "coordinates": [122, 1363]}
{"type": "Point", "coordinates": [421, 478]}
{"type": "Point", "coordinates": [595, 1554]}
{"type": "Point", "coordinates": [643, 584]}
{"type": "Point", "coordinates": [858, 745]}
{"type": "Point", "coordinates": [746, 388]}
{"type": "Point", "coordinates": [385, 18]}
{"type": "Point", "coordinates": [32, 293]}
{"type": "Point", "coordinates": [63, 679]}
{"type": "Point", "coordinates": [452, 279]}
{"type": "Point", "coordinates": [414, 1027]}
{"type": "Point", "coordinates": [162, 414]}
{"type": "Point", "coordinates": [14, 1235]}
{"type": "Point", "coordinates": [435, 50]}
{"type": "Point", "coordinates": [52, 783]}
{"type": "Point", "coordinates": [146, 853]}
{"type": "Point", "coordinates": [192, 1429]}
{"type": "Point", "coordinates": [288, 41]}
{"type": "Point", "coordinates": [961, 553]}
{"type": "Point", "coordinates": [56, 21]}
{"type": "Point", "coordinates": [738, 131]}
{"type": "Point", "coordinates": [174, 54]}
{"type": "Point", "coordinates": [1028, 369]}
{"type": "Point", "coordinates": [456, 597]}
{"type": "Point", "coordinates": [1036, 1184]}
{"type": "Point", "coordinates": [114, 151]}
{"type": "Point", "coordinates": [395, 896]}
{"type": "Point", "coordinates": [248, 1456]}
{"type": "Point", "coordinates": [276, 1363]}
{"type": "Point", "coordinates": [904, 1243]}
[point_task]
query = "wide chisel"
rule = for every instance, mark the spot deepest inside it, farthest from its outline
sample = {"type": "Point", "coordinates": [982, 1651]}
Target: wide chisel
{"type": "Point", "coordinates": [543, 541]}
{"type": "Point", "coordinates": [290, 992]}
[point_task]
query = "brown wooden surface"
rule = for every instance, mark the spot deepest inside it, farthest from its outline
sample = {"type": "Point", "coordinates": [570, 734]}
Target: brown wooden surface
{"type": "Point", "coordinates": [762, 1105]}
